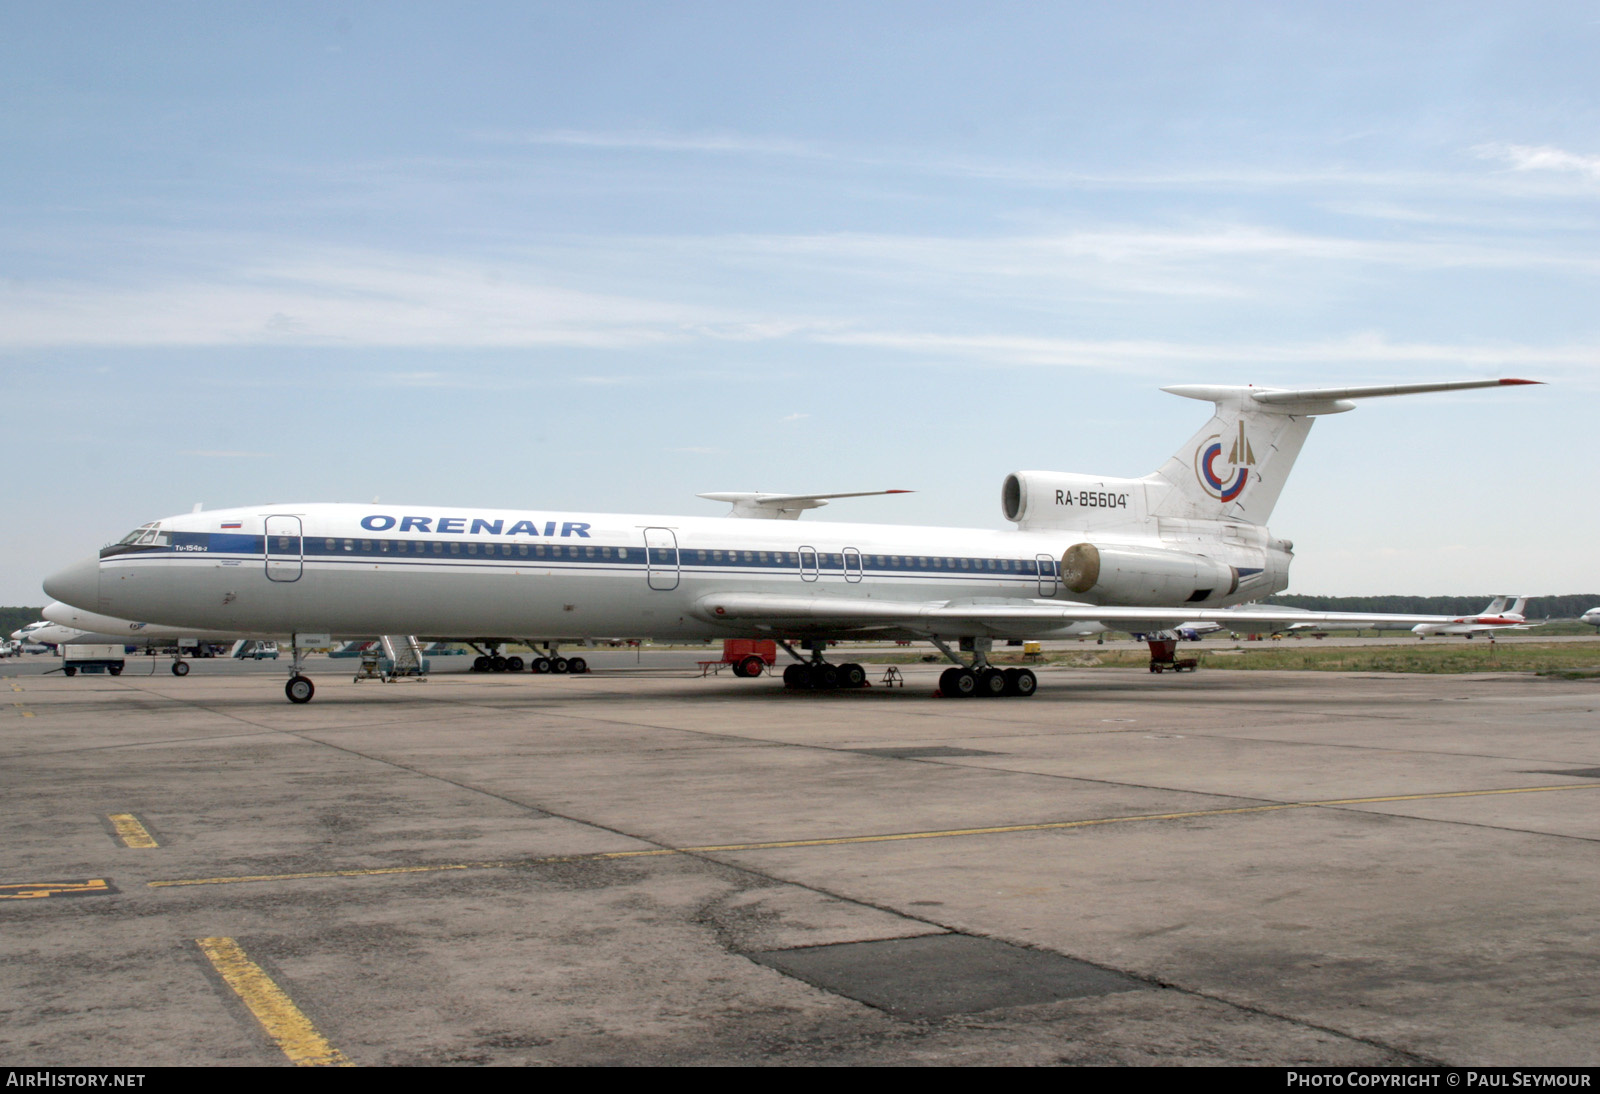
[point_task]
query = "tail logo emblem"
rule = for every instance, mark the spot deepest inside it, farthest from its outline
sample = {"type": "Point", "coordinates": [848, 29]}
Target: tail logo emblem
{"type": "Point", "coordinates": [1229, 484]}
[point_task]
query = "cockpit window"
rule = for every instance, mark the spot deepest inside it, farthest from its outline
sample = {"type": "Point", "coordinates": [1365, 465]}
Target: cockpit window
{"type": "Point", "coordinates": [146, 535]}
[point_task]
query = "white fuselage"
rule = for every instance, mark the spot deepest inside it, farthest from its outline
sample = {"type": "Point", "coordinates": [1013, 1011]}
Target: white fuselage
{"type": "Point", "coordinates": [1472, 626]}
{"type": "Point", "coordinates": [364, 570]}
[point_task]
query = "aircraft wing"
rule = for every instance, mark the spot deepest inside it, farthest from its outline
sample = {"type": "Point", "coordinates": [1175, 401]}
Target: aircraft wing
{"type": "Point", "coordinates": [998, 616]}
{"type": "Point", "coordinates": [783, 506]}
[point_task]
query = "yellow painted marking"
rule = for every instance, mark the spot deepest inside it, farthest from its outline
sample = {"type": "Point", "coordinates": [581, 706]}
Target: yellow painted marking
{"type": "Point", "coordinates": [22, 710]}
{"type": "Point", "coordinates": [35, 890]}
{"type": "Point", "coordinates": [284, 1022]}
{"type": "Point", "coordinates": [836, 841]}
{"type": "Point", "coordinates": [130, 831]}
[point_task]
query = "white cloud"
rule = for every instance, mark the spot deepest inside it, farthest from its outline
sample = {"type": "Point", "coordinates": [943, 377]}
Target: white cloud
{"type": "Point", "coordinates": [638, 140]}
{"type": "Point", "coordinates": [347, 298]}
{"type": "Point", "coordinates": [1524, 157]}
{"type": "Point", "coordinates": [224, 454]}
{"type": "Point", "coordinates": [1019, 172]}
{"type": "Point", "coordinates": [309, 296]}
{"type": "Point", "coordinates": [1158, 357]}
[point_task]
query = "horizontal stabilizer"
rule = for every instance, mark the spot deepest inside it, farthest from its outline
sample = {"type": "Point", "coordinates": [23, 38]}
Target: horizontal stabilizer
{"type": "Point", "coordinates": [1326, 400]}
{"type": "Point", "coordinates": [784, 506]}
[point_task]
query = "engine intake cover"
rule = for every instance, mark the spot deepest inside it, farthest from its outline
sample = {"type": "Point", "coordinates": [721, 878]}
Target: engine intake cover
{"type": "Point", "coordinates": [1144, 576]}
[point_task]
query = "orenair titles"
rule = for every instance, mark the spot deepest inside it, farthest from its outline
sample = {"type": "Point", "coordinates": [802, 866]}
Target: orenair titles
{"type": "Point", "coordinates": [382, 522]}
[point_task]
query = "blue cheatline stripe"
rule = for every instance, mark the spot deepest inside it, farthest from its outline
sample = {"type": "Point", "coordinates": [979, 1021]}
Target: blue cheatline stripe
{"type": "Point", "coordinates": [465, 562]}
{"type": "Point", "coordinates": [338, 548]}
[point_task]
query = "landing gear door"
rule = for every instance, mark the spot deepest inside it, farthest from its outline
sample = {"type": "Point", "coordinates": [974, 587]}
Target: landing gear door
{"type": "Point", "coordinates": [1047, 574]}
{"type": "Point", "coordinates": [661, 558]}
{"type": "Point", "coordinates": [285, 558]}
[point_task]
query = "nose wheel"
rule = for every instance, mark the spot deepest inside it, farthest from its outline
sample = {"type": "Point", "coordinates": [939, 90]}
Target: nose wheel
{"type": "Point", "coordinates": [299, 689]}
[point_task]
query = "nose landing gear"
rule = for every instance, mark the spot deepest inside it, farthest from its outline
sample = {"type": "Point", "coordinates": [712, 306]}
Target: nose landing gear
{"type": "Point", "coordinates": [300, 689]}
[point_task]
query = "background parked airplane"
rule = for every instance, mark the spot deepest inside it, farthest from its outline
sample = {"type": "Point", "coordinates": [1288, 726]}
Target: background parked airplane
{"type": "Point", "coordinates": [64, 624]}
{"type": "Point", "coordinates": [1496, 617]}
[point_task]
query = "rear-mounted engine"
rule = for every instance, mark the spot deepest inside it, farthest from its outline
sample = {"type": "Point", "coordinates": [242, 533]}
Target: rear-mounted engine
{"type": "Point", "coordinates": [1144, 576]}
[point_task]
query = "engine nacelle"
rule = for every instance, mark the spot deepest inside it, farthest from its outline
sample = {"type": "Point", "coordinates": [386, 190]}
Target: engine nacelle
{"type": "Point", "coordinates": [1056, 499]}
{"type": "Point", "coordinates": [1144, 577]}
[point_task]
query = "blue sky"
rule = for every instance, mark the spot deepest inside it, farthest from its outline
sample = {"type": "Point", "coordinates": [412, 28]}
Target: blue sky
{"type": "Point", "coordinates": [605, 256]}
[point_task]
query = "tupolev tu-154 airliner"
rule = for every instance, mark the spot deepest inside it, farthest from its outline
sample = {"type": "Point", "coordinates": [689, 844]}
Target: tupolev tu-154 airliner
{"type": "Point", "coordinates": [1182, 544]}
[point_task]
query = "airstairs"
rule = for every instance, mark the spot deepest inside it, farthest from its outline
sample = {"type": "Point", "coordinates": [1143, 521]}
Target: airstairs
{"type": "Point", "coordinates": [405, 656]}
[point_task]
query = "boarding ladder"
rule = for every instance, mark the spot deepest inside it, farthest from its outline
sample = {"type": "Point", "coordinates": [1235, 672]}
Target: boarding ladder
{"type": "Point", "coordinates": [405, 655]}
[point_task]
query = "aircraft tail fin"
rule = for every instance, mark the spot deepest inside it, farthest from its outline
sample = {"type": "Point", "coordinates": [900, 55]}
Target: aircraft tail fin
{"type": "Point", "coordinates": [1496, 606]}
{"type": "Point", "coordinates": [1235, 467]}
{"type": "Point", "coordinates": [1519, 606]}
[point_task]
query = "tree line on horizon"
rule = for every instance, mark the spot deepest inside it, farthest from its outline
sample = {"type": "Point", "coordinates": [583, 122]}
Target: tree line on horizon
{"type": "Point", "coordinates": [12, 618]}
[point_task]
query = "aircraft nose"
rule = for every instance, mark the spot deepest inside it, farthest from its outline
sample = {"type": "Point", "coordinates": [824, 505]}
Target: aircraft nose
{"type": "Point", "coordinates": [78, 585]}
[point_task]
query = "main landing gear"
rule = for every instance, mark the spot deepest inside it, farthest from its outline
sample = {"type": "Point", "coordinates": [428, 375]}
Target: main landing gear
{"type": "Point", "coordinates": [551, 661]}
{"type": "Point", "coordinates": [981, 678]}
{"type": "Point", "coordinates": [493, 660]}
{"type": "Point", "coordinates": [816, 674]}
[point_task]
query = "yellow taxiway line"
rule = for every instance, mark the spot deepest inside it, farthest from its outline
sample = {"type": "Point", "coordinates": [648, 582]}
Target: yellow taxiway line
{"type": "Point", "coordinates": [837, 841]}
{"type": "Point", "coordinates": [130, 831]}
{"type": "Point", "coordinates": [284, 1022]}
